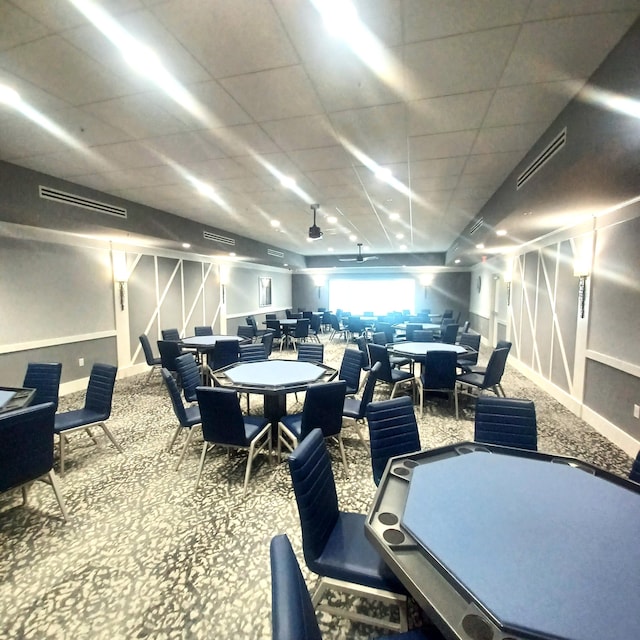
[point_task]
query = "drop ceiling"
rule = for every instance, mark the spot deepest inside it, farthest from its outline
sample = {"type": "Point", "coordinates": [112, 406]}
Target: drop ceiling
{"type": "Point", "coordinates": [458, 93]}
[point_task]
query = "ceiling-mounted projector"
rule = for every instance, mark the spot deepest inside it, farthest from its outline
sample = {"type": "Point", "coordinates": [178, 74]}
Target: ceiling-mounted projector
{"type": "Point", "coordinates": [314, 230]}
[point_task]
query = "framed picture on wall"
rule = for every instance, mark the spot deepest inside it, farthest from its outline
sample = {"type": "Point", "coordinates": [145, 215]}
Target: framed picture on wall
{"type": "Point", "coordinates": [264, 292]}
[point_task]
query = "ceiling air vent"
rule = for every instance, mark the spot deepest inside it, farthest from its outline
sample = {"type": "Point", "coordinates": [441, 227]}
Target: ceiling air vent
{"type": "Point", "coordinates": [476, 225]}
{"type": "Point", "coordinates": [78, 201]}
{"type": "Point", "coordinates": [552, 148]}
{"type": "Point", "coordinates": [214, 237]}
{"type": "Point", "coordinates": [275, 254]}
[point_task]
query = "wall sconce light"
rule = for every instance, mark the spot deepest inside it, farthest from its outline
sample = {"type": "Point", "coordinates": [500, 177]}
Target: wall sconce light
{"type": "Point", "coordinates": [581, 271]}
{"type": "Point", "coordinates": [426, 279]}
{"type": "Point", "coordinates": [319, 281]}
{"type": "Point", "coordinates": [120, 273]}
{"type": "Point", "coordinates": [507, 279]}
{"type": "Point", "coordinates": [223, 275]}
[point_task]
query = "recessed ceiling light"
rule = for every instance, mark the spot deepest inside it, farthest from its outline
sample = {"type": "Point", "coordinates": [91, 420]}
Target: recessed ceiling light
{"type": "Point", "coordinates": [186, 245]}
{"type": "Point", "coordinates": [403, 247]}
{"type": "Point", "coordinates": [332, 219]}
{"type": "Point", "coordinates": [399, 236]}
{"type": "Point", "coordinates": [353, 237]}
{"type": "Point", "coordinates": [457, 261]}
{"type": "Point", "coordinates": [286, 264]}
{"type": "Point", "coordinates": [479, 245]}
{"type": "Point", "coordinates": [275, 223]}
{"type": "Point", "coordinates": [394, 216]}
{"type": "Point", "coordinates": [384, 174]}
{"type": "Point", "coordinates": [287, 182]}
{"type": "Point", "coordinates": [501, 232]}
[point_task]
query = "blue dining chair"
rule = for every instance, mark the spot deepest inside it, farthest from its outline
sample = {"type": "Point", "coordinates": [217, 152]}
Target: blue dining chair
{"type": "Point", "coordinates": [188, 417]}
{"type": "Point", "coordinates": [439, 375]}
{"type": "Point", "coordinates": [393, 431]}
{"type": "Point", "coordinates": [95, 413]}
{"type": "Point", "coordinates": [355, 408]}
{"type": "Point", "coordinates": [350, 370]}
{"type": "Point", "coordinates": [390, 375]}
{"type": "Point", "coordinates": [155, 362]}
{"type": "Point", "coordinates": [334, 542]}
{"type": "Point", "coordinates": [224, 425]}
{"type": "Point", "coordinates": [189, 375]}
{"type": "Point", "coordinates": [171, 334]}
{"type": "Point", "coordinates": [509, 422]}
{"type": "Point", "coordinates": [44, 377]}
{"type": "Point", "coordinates": [634, 474]}
{"type": "Point", "coordinates": [203, 330]}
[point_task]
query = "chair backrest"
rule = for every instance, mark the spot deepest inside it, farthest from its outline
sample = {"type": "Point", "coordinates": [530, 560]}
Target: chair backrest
{"type": "Point", "coordinates": [315, 490]}
{"type": "Point", "coordinates": [224, 352]}
{"type": "Point", "coordinates": [274, 328]}
{"type": "Point", "coordinates": [440, 370]}
{"type": "Point", "coordinates": [379, 337]}
{"type": "Point", "coordinates": [267, 342]}
{"type": "Point", "coordinates": [378, 353]}
{"type": "Point", "coordinates": [465, 326]}
{"type": "Point", "coordinates": [270, 316]}
{"type": "Point", "coordinates": [288, 313]}
{"type": "Point", "coordinates": [350, 368]}
{"type": "Point", "coordinates": [315, 323]}
{"type": "Point", "coordinates": [634, 474]}
{"type": "Point", "coordinates": [245, 331]}
{"type": "Point", "coordinates": [369, 388]}
{"type": "Point", "coordinates": [393, 431]}
{"type": "Point", "coordinates": [387, 329]}
{"type": "Point", "coordinates": [169, 351]}
{"type": "Point", "coordinates": [171, 334]}
{"type": "Point", "coordinates": [189, 373]}
{"type": "Point", "coordinates": [423, 335]}
{"type": "Point", "coordinates": [308, 352]}
{"type": "Point", "coordinates": [412, 327]}
{"type": "Point", "coordinates": [203, 330]}
{"type": "Point", "coordinates": [222, 420]}
{"type": "Point", "coordinates": [322, 409]}
{"type": "Point", "coordinates": [471, 340]}
{"type": "Point", "coordinates": [302, 328]}
{"type": "Point", "coordinates": [363, 345]}
{"type": "Point", "coordinates": [44, 377]}
{"type": "Point", "coordinates": [355, 324]}
{"type": "Point", "coordinates": [450, 333]}
{"type": "Point", "coordinates": [293, 616]}
{"type": "Point", "coordinates": [100, 389]}
{"type": "Point", "coordinates": [448, 313]}
{"type": "Point", "coordinates": [506, 421]}
{"type": "Point", "coordinates": [335, 323]}
{"type": "Point", "coordinates": [251, 322]}
{"type": "Point", "coordinates": [147, 350]}
{"type": "Point", "coordinates": [26, 444]}
{"type": "Point", "coordinates": [495, 368]}
{"type": "Point", "coordinates": [176, 398]}
{"type": "Point", "coordinates": [252, 352]}
{"type": "Point", "coordinates": [504, 344]}
{"type": "Point", "coordinates": [307, 314]}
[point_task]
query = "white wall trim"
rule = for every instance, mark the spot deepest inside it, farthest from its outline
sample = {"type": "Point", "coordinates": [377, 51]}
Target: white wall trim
{"type": "Point", "coordinates": [54, 342]}
{"type": "Point", "coordinates": [610, 431]}
{"type": "Point", "coordinates": [614, 363]}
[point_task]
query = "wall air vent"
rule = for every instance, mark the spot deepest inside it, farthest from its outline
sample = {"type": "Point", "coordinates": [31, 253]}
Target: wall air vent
{"type": "Point", "coordinates": [214, 237]}
{"type": "Point", "coordinates": [552, 148]}
{"type": "Point", "coordinates": [275, 254]}
{"type": "Point", "coordinates": [79, 201]}
{"type": "Point", "coordinates": [476, 225]}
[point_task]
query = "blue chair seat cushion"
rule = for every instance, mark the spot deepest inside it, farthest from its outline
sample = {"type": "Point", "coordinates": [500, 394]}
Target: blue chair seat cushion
{"type": "Point", "coordinates": [77, 418]}
{"type": "Point", "coordinates": [397, 375]}
{"type": "Point", "coordinates": [351, 408]}
{"type": "Point", "coordinates": [476, 379]}
{"type": "Point", "coordinates": [193, 416]}
{"type": "Point", "coordinates": [294, 424]}
{"type": "Point", "coordinates": [348, 555]}
{"type": "Point", "coordinates": [253, 425]}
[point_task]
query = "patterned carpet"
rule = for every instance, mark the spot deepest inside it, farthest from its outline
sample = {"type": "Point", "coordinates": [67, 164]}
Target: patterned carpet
{"type": "Point", "coordinates": [145, 556]}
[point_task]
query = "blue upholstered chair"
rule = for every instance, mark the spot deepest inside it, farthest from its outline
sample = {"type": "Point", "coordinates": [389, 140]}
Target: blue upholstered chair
{"type": "Point", "coordinates": [388, 374]}
{"type": "Point", "coordinates": [502, 344]}
{"type": "Point", "coordinates": [363, 346]}
{"type": "Point", "coordinates": [470, 341]}
{"type": "Point", "coordinates": [310, 352]}
{"type": "Point", "coordinates": [334, 542]}
{"type": "Point", "coordinates": [393, 431]}
{"type": "Point", "coordinates": [224, 352]}
{"type": "Point", "coordinates": [508, 422]}
{"type": "Point", "coordinates": [355, 408]}
{"type": "Point", "coordinates": [245, 331]}
{"type": "Point", "coordinates": [449, 333]}
{"type": "Point", "coordinates": [275, 329]}
{"type": "Point", "coordinates": [634, 474]}
{"type": "Point", "coordinates": [380, 338]}
{"type": "Point", "coordinates": [26, 450]}
{"type": "Point", "coordinates": [203, 330]}
{"type": "Point", "coordinates": [322, 409]}
{"type": "Point", "coordinates": [301, 332]}
{"type": "Point", "coordinates": [224, 425]}
{"type": "Point", "coordinates": [189, 375]}
{"type": "Point", "coordinates": [96, 410]}
{"type": "Point", "coordinates": [267, 341]}
{"type": "Point", "coordinates": [476, 383]}
{"type": "Point", "coordinates": [423, 335]}
{"type": "Point", "coordinates": [169, 351]}
{"type": "Point", "coordinates": [171, 334]}
{"type": "Point", "coordinates": [350, 369]}
{"type": "Point", "coordinates": [155, 362]}
{"type": "Point", "coordinates": [44, 377]}
{"type": "Point", "coordinates": [336, 328]}
{"type": "Point", "coordinates": [439, 375]}
{"type": "Point", "coordinates": [252, 352]}
{"type": "Point", "coordinates": [188, 417]}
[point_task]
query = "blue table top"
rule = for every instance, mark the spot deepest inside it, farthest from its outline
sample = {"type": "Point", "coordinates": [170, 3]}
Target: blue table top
{"type": "Point", "coordinates": [208, 341]}
{"type": "Point", "coordinates": [421, 348]}
{"type": "Point", "coordinates": [543, 548]}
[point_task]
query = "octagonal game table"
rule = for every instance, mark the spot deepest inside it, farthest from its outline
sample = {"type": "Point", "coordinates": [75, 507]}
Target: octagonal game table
{"type": "Point", "coordinates": [504, 544]}
{"type": "Point", "coordinates": [273, 379]}
{"type": "Point", "coordinates": [12, 398]}
{"type": "Point", "coordinates": [418, 350]}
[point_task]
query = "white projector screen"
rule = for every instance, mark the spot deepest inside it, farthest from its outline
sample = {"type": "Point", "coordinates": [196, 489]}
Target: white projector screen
{"type": "Point", "coordinates": [380, 296]}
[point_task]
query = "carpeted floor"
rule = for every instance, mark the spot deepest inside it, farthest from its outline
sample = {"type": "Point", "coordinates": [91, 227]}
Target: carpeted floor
{"type": "Point", "coordinates": [145, 556]}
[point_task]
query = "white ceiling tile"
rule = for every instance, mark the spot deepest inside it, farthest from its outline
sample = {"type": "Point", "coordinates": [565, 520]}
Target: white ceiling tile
{"type": "Point", "coordinates": [442, 145]}
{"type": "Point", "coordinates": [547, 9]}
{"type": "Point", "coordinates": [185, 148]}
{"type": "Point", "coordinates": [242, 140]}
{"type": "Point", "coordinates": [318, 159]}
{"type": "Point", "coordinates": [18, 27]}
{"type": "Point", "coordinates": [128, 154]}
{"type": "Point", "coordinates": [511, 138]}
{"type": "Point", "coordinates": [437, 167]}
{"type": "Point", "coordinates": [301, 133]}
{"type": "Point", "coordinates": [493, 163]}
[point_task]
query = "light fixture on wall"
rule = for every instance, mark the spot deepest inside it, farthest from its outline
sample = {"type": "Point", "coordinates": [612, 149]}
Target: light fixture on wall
{"type": "Point", "coordinates": [507, 278]}
{"type": "Point", "coordinates": [120, 273]}
{"type": "Point", "coordinates": [319, 280]}
{"type": "Point", "coordinates": [426, 279]}
{"type": "Point", "coordinates": [223, 275]}
{"type": "Point", "coordinates": [581, 271]}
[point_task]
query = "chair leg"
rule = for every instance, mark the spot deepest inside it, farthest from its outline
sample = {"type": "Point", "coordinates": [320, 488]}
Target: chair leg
{"type": "Point", "coordinates": [25, 491]}
{"type": "Point", "coordinates": [90, 434]}
{"type": "Point", "coordinates": [172, 441]}
{"type": "Point", "coordinates": [185, 446]}
{"type": "Point", "coordinates": [358, 427]}
{"type": "Point", "coordinates": [62, 446]}
{"type": "Point", "coordinates": [110, 436]}
{"type": "Point", "coordinates": [202, 457]}
{"type": "Point", "coordinates": [343, 455]}
{"type": "Point", "coordinates": [455, 398]}
{"type": "Point", "coordinates": [56, 489]}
